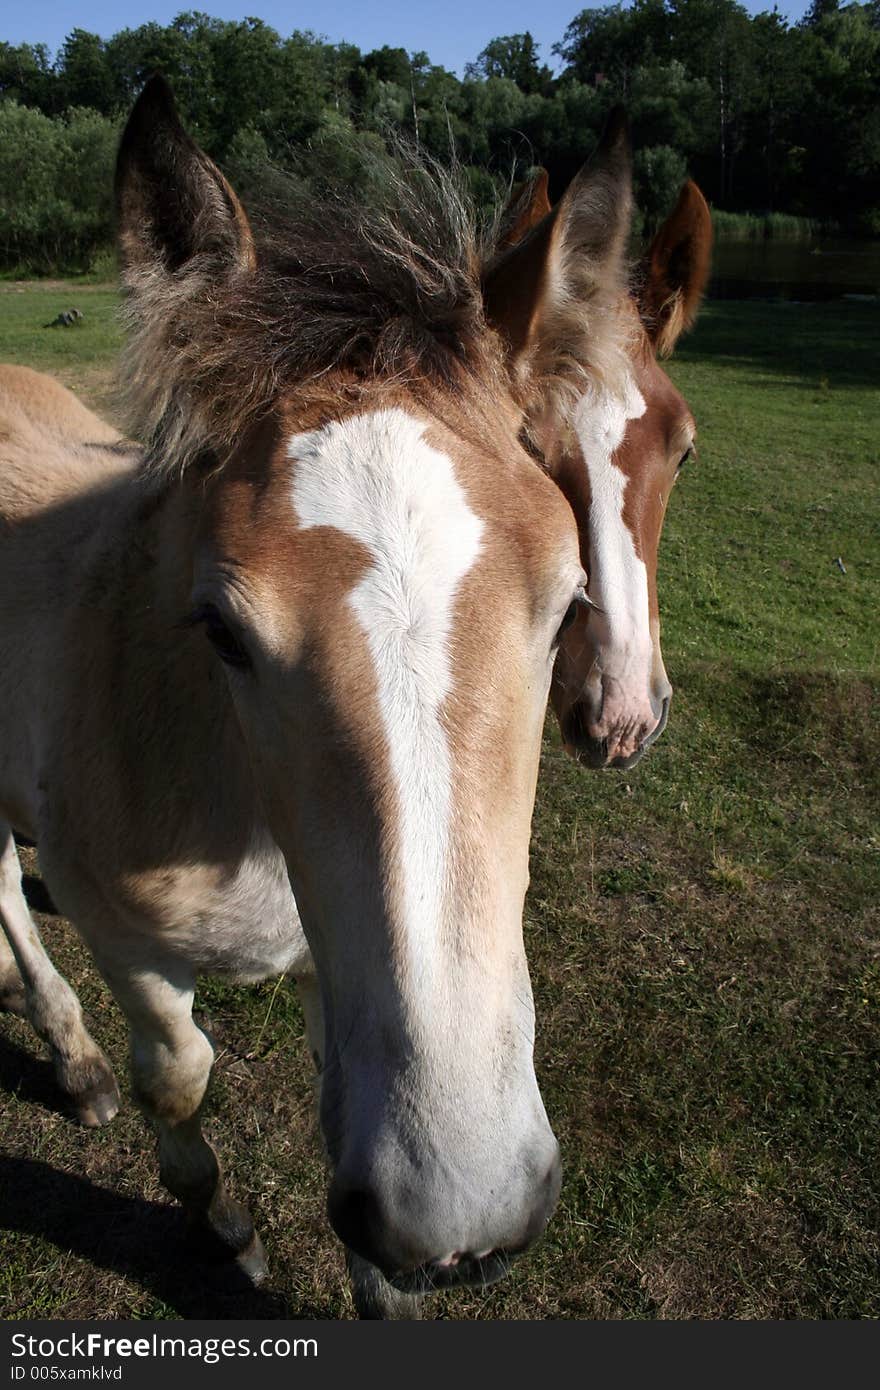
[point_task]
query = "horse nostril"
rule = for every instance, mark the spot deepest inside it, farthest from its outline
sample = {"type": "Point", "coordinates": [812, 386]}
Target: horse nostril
{"type": "Point", "coordinates": [373, 1228]}
{"type": "Point", "coordinates": [357, 1218]}
{"type": "Point", "coordinates": [660, 725]}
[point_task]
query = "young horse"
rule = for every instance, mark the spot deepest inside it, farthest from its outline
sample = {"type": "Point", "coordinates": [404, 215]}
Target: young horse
{"type": "Point", "coordinates": [623, 447]}
{"type": "Point", "coordinates": [303, 647]}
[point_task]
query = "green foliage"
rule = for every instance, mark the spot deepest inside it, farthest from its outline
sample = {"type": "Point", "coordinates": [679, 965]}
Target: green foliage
{"type": "Point", "coordinates": [783, 118]}
{"type": "Point", "coordinates": [57, 177]}
{"type": "Point", "coordinates": [761, 114]}
{"type": "Point", "coordinates": [659, 173]}
{"type": "Point", "coordinates": [86, 76]}
{"type": "Point", "coordinates": [771, 226]}
{"type": "Point", "coordinates": [26, 75]}
{"type": "Point", "coordinates": [514, 57]}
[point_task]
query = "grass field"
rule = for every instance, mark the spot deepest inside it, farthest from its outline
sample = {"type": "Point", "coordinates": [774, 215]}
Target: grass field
{"type": "Point", "coordinates": [81, 356]}
{"type": "Point", "coordinates": [703, 932]}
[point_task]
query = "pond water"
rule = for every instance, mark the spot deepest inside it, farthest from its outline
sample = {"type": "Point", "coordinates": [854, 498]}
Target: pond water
{"type": "Point", "coordinates": [826, 268]}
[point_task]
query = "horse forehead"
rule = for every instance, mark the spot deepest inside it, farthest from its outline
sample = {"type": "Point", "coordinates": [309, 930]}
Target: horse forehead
{"type": "Point", "coordinates": [413, 485]}
{"type": "Point", "coordinates": [666, 413]}
{"type": "Point", "coordinates": [434, 506]}
{"type": "Point", "coordinates": [318, 499]}
{"type": "Point", "coordinates": [377, 478]}
{"type": "Point", "coordinates": [625, 428]}
{"type": "Point", "coordinates": [602, 417]}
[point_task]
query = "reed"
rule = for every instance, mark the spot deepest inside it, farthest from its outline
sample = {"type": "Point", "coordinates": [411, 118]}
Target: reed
{"type": "Point", "coordinates": [765, 226]}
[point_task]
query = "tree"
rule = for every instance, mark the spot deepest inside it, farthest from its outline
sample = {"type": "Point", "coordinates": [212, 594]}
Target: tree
{"type": "Point", "coordinates": [516, 58]}
{"type": "Point", "coordinates": [765, 115]}
{"type": "Point", "coordinates": [659, 172]}
{"type": "Point", "coordinates": [27, 76]}
{"type": "Point", "coordinates": [713, 40]}
{"type": "Point", "coordinates": [247, 78]}
{"type": "Point", "coordinates": [57, 180]}
{"type": "Point", "coordinates": [773, 136]}
{"type": "Point", "coordinates": [86, 78]}
{"type": "Point", "coordinates": [134, 54]}
{"type": "Point", "coordinates": [607, 45]}
{"type": "Point", "coordinates": [389, 65]}
{"type": "Point", "coordinates": [841, 62]}
{"type": "Point", "coordinates": [819, 10]}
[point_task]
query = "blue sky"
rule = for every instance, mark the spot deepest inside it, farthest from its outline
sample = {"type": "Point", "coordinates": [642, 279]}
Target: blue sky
{"type": "Point", "coordinates": [452, 34]}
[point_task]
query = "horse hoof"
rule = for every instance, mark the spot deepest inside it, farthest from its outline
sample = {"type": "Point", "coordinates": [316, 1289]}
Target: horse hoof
{"type": "Point", "coordinates": [252, 1262]}
{"type": "Point", "coordinates": [96, 1108]}
{"type": "Point", "coordinates": [90, 1086]}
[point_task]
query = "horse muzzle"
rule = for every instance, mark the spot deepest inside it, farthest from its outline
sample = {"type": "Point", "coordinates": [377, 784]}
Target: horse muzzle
{"type": "Point", "coordinates": [600, 751]}
{"type": "Point", "coordinates": [465, 1271]}
{"type": "Point", "coordinates": [392, 1232]}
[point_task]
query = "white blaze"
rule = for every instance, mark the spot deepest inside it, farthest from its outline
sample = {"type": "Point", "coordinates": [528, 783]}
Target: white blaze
{"type": "Point", "coordinates": [618, 578]}
{"type": "Point", "coordinates": [376, 479]}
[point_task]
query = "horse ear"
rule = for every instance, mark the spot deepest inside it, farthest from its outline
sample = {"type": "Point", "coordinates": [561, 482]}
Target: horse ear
{"type": "Point", "coordinates": [173, 205]}
{"type": "Point", "coordinates": [527, 206]}
{"type": "Point", "coordinates": [676, 269]}
{"type": "Point", "coordinates": [552, 295]}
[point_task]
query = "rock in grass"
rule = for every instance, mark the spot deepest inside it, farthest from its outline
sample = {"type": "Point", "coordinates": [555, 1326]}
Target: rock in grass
{"type": "Point", "coordinates": [65, 319]}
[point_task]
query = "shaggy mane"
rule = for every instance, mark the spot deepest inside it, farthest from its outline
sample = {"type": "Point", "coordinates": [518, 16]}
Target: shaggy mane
{"type": "Point", "coordinates": [384, 284]}
{"type": "Point", "coordinates": [389, 290]}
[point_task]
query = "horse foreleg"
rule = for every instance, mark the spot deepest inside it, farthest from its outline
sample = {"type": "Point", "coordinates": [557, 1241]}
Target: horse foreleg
{"type": "Point", "coordinates": [371, 1293]}
{"type": "Point", "coordinates": [12, 1000]}
{"type": "Point", "coordinates": [171, 1061]}
{"type": "Point", "coordinates": [30, 984]}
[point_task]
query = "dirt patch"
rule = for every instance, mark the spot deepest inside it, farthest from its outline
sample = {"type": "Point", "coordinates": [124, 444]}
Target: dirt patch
{"type": "Point", "coordinates": [52, 287]}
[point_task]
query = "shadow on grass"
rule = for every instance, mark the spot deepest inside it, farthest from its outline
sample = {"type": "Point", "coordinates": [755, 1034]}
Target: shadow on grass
{"type": "Point", "coordinates": [834, 343]}
{"type": "Point", "coordinates": [37, 896]}
{"type": "Point", "coordinates": [798, 716]}
{"type": "Point", "coordinates": [35, 891]}
{"type": "Point", "coordinates": [30, 1078]}
{"type": "Point", "coordinates": [146, 1242]}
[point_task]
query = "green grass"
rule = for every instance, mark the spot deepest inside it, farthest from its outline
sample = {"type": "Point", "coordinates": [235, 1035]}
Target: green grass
{"type": "Point", "coordinates": [81, 356]}
{"type": "Point", "coordinates": [703, 935]}
{"type": "Point", "coordinates": [765, 226]}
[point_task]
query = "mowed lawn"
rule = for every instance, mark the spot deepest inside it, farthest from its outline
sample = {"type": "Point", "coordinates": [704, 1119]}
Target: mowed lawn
{"type": "Point", "coordinates": [83, 355]}
{"type": "Point", "coordinates": [703, 931]}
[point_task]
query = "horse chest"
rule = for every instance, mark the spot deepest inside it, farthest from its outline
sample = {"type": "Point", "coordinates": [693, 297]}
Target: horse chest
{"type": "Point", "coordinates": [237, 920]}
{"type": "Point", "coordinates": [249, 926]}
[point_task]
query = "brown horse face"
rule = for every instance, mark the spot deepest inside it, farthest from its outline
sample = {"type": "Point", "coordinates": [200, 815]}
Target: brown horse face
{"type": "Point", "coordinates": [610, 690]}
{"type": "Point", "coordinates": [630, 433]}
{"type": "Point", "coordinates": [383, 576]}
{"type": "Point", "coordinates": [385, 597]}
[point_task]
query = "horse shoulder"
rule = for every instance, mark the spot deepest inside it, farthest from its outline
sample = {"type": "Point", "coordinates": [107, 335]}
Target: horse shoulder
{"type": "Point", "coordinates": [139, 803]}
{"type": "Point", "coordinates": [49, 406]}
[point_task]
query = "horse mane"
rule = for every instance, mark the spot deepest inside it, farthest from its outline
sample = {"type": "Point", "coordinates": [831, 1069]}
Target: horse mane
{"type": "Point", "coordinates": [385, 287]}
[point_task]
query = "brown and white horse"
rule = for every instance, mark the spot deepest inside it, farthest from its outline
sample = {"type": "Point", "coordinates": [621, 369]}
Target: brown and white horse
{"type": "Point", "coordinates": [272, 690]}
{"type": "Point", "coordinates": [617, 457]}
{"type": "Point", "coordinates": [335, 495]}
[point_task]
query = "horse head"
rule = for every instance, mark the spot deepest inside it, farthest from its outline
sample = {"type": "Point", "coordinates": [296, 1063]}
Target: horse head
{"type": "Point", "coordinates": [625, 440]}
{"type": "Point", "coordinates": [379, 577]}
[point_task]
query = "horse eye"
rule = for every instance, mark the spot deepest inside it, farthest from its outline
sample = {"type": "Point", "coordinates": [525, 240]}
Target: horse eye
{"type": "Point", "coordinates": [227, 646]}
{"type": "Point", "coordinates": [684, 458]}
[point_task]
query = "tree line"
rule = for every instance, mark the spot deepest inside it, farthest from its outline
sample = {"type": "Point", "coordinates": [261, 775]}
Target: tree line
{"type": "Point", "coordinates": [765, 115]}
